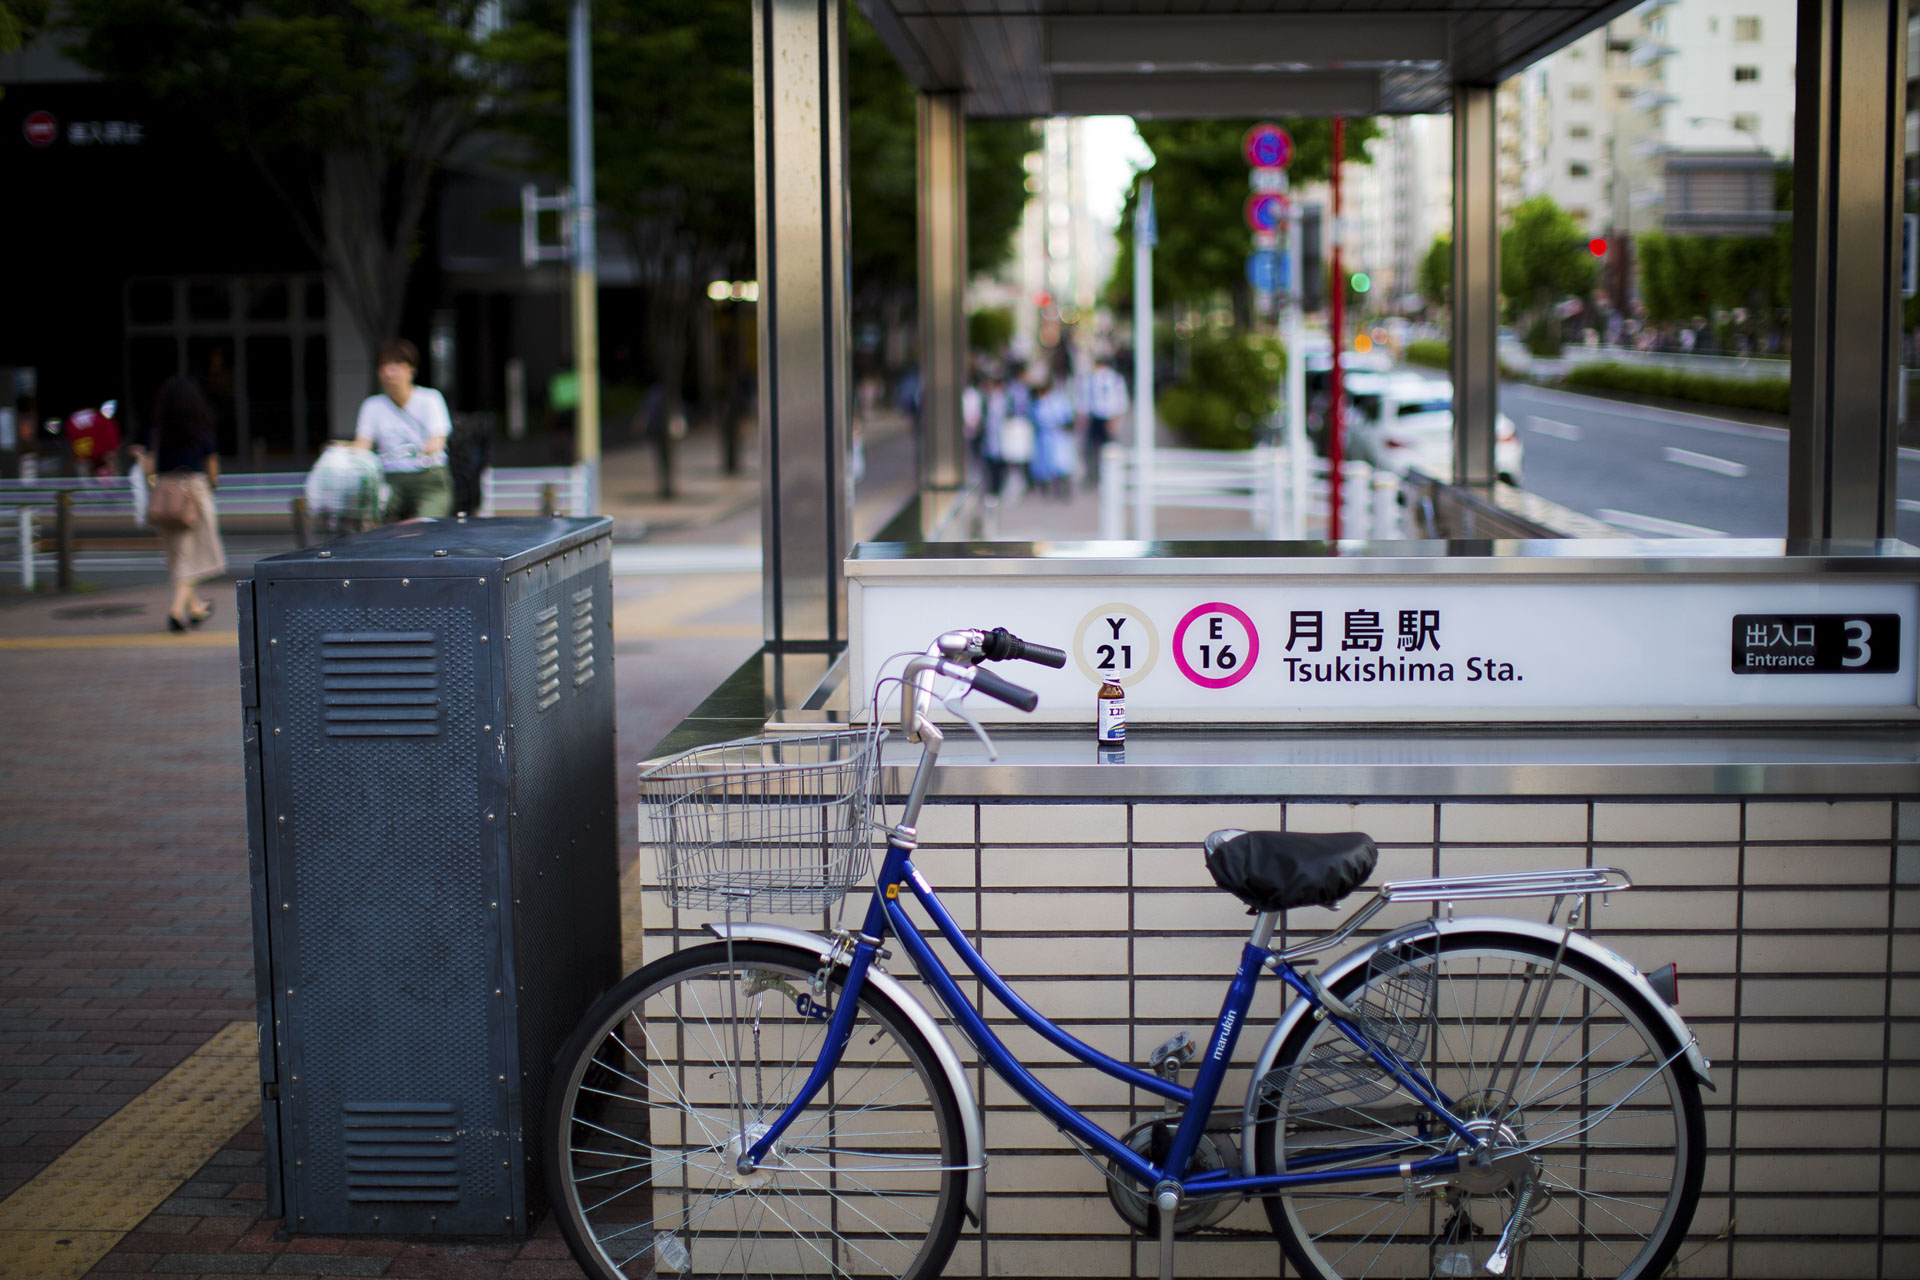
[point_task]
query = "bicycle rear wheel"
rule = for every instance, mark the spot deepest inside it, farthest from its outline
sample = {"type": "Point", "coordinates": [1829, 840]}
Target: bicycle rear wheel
{"type": "Point", "coordinates": [685, 1063]}
{"type": "Point", "coordinates": [1570, 1072]}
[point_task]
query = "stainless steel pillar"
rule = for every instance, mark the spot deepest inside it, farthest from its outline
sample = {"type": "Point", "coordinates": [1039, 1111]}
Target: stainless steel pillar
{"type": "Point", "coordinates": [943, 288]}
{"type": "Point", "coordinates": [1476, 284]}
{"type": "Point", "coordinates": [1849, 113]}
{"type": "Point", "coordinates": [800, 171]}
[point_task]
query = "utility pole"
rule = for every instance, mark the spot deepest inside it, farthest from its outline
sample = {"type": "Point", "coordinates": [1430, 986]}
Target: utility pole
{"type": "Point", "coordinates": [586, 265]}
{"type": "Point", "coordinates": [1334, 431]}
{"type": "Point", "coordinates": [1145, 233]}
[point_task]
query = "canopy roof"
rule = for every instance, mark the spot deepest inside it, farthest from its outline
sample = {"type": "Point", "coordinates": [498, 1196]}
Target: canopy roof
{"type": "Point", "coordinates": [1196, 58]}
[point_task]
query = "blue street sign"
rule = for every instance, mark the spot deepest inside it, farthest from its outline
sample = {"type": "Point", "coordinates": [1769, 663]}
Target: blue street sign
{"type": "Point", "coordinates": [1263, 271]}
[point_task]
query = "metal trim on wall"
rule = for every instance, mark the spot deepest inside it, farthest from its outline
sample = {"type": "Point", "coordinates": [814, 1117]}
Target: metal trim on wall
{"type": "Point", "coordinates": [942, 168]}
{"type": "Point", "coordinates": [1476, 283]}
{"type": "Point", "coordinates": [800, 168]}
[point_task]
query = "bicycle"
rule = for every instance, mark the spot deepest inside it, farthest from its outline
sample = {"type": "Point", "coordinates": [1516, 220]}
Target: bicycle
{"type": "Point", "coordinates": [1459, 1096]}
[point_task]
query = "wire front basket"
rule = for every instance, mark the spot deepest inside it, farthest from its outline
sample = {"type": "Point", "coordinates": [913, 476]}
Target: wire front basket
{"type": "Point", "coordinates": [778, 823]}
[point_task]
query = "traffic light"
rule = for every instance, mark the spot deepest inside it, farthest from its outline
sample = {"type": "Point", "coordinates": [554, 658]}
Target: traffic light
{"type": "Point", "coordinates": [1360, 282]}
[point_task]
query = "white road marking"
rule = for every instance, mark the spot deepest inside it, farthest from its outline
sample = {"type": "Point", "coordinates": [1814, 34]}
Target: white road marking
{"type": "Point", "coordinates": [1558, 430]}
{"type": "Point", "coordinates": [1654, 524]}
{"type": "Point", "coordinates": [1706, 462]}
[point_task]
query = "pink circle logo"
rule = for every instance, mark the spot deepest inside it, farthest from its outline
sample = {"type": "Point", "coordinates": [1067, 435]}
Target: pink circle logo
{"type": "Point", "coordinates": [40, 129]}
{"type": "Point", "coordinates": [1221, 665]}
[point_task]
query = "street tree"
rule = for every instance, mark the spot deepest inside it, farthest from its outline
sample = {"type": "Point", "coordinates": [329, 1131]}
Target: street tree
{"type": "Point", "coordinates": [20, 21]}
{"type": "Point", "coordinates": [349, 109]}
{"type": "Point", "coordinates": [1199, 177]}
{"type": "Point", "coordinates": [1543, 259]}
{"type": "Point", "coordinates": [1436, 272]}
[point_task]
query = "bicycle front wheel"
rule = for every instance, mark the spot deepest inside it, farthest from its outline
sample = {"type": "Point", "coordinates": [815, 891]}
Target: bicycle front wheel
{"type": "Point", "coordinates": [686, 1063]}
{"type": "Point", "coordinates": [1569, 1073]}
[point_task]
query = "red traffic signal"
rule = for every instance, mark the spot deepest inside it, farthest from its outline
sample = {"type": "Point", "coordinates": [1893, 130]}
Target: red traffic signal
{"type": "Point", "coordinates": [1599, 247]}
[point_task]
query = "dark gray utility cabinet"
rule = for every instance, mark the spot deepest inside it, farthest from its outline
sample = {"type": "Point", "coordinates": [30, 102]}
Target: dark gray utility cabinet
{"type": "Point", "coordinates": [429, 732]}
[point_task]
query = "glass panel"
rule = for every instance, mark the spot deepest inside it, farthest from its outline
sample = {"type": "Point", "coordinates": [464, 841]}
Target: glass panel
{"type": "Point", "coordinates": [209, 300]}
{"type": "Point", "coordinates": [267, 300]}
{"type": "Point", "coordinates": [150, 301]}
{"type": "Point", "coordinates": [270, 392]}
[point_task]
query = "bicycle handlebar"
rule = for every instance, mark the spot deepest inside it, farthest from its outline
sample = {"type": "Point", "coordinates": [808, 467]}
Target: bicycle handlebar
{"type": "Point", "coordinates": [1001, 644]}
{"type": "Point", "coordinates": [1020, 699]}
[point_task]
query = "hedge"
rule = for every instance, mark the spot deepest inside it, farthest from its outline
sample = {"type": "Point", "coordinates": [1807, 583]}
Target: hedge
{"type": "Point", "coordinates": [1766, 395]}
{"type": "Point", "coordinates": [1431, 352]}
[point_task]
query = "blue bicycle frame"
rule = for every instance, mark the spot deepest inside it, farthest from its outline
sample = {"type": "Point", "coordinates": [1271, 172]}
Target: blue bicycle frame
{"type": "Point", "coordinates": [886, 914]}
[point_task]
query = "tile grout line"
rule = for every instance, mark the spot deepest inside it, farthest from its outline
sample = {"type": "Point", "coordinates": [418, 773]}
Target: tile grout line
{"type": "Point", "coordinates": [74, 1211]}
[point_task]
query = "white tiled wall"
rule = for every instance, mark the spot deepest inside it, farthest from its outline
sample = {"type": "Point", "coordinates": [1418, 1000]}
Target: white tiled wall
{"type": "Point", "coordinates": [1795, 924]}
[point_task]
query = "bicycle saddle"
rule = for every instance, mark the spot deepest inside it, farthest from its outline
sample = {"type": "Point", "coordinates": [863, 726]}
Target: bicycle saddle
{"type": "Point", "coordinates": [1275, 870]}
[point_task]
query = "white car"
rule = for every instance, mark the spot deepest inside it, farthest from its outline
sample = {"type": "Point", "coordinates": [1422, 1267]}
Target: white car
{"type": "Point", "coordinates": [1404, 422]}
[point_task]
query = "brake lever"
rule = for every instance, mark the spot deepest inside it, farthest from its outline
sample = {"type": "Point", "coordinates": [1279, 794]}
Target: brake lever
{"type": "Point", "coordinates": [952, 704]}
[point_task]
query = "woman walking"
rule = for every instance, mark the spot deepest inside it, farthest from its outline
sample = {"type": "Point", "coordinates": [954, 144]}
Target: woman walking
{"type": "Point", "coordinates": [183, 464]}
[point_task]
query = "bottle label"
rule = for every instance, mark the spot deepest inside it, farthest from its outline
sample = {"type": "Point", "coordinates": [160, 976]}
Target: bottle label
{"type": "Point", "coordinates": [1110, 723]}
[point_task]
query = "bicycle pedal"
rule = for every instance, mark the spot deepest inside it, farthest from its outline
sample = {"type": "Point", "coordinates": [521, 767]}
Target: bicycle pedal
{"type": "Point", "coordinates": [1178, 1052]}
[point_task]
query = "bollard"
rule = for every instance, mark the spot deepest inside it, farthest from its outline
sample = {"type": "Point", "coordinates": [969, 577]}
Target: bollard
{"type": "Point", "coordinates": [546, 500]}
{"type": "Point", "coordinates": [26, 548]}
{"type": "Point", "coordinates": [300, 521]}
{"type": "Point", "coordinates": [63, 539]}
{"type": "Point", "coordinates": [1386, 506]}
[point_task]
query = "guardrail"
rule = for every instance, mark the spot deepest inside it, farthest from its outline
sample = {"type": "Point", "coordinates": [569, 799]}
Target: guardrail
{"type": "Point", "coordinates": [1436, 509]}
{"type": "Point", "coordinates": [70, 499]}
{"type": "Point", "coordinates": [1256, 481]}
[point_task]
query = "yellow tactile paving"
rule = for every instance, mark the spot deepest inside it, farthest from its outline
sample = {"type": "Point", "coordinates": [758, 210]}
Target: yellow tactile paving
{"type": "Point", "coordinates": [70, 1216]}
{"type": "Point", "coordinates": [144, 640]}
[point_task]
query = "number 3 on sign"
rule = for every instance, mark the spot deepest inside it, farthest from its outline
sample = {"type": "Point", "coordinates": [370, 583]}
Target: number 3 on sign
{"type": "Point", "coordinates": [1216, 645]}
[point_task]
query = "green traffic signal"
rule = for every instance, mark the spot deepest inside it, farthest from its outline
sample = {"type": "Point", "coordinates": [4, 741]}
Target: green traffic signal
{"type": "Point", "coordinates": [1360, 282]}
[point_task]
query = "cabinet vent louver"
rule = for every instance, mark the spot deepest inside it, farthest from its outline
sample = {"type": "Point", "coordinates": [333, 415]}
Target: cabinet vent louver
{"type": "Point", "coordinates": [402, 1151]}
{"type": "Point", "coordinates": [380, 684]}
{"type": "Point", "coordinates": [582, 636]}
{"type": "Point", "coordinates": [546, 657]}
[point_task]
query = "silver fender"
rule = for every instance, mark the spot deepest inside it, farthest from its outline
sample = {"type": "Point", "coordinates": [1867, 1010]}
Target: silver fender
{"type": "Point", "coordinates": [1547, 933]}
{"type": "Point", "coordinates": [924, 1022]}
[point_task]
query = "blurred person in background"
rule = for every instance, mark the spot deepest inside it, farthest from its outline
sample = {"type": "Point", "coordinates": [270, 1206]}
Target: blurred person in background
{"type": "Point", "coordinates": [408, 426]}
{"type": "Point", "coordinates": [182, 458]}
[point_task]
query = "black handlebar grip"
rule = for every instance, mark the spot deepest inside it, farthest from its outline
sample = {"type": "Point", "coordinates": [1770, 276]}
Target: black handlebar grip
{"type": "Point", "coordinates": [1002, 645]}
{"type": "Point", "coordinates": [1004, 690]}
{"type": "Point", "coordinates": [1045, 656]}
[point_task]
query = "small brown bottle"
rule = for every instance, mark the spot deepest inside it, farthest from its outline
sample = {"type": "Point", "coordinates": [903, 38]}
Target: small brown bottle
{"type": "Point", "coordinates": [1110, 714]}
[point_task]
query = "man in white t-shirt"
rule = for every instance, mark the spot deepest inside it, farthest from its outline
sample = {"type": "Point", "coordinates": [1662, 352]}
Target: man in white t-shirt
{"type": "Point", "coordinates": [408, 426]}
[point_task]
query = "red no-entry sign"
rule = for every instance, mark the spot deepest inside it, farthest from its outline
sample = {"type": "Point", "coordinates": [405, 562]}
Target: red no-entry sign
{"type": "Point", "coordinates": [40, 128]}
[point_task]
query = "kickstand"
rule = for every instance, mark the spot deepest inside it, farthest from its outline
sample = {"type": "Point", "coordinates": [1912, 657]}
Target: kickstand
{"type": "Point", "coordinates": [1168, 1202]}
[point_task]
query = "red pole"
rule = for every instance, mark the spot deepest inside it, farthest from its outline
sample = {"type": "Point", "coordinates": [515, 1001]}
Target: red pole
{"type": "Point", "coordinates": [1335, 428]}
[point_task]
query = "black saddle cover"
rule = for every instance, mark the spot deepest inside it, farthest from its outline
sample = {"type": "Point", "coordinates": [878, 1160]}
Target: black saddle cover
{"type": "Point", "coordinates": [1276, 870]}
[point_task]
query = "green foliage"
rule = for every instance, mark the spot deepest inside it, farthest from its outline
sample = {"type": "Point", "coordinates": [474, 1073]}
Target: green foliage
{"type": "Point", "coordinates": [1430, 352]}
{"type": "Point", "coordinates": [365, 100]}
{"type": "Point", "coordinates": [1436, 271]}
{"type": "Point", "coordinates": [1199, 193]}
{"type": "Point", "coordinates": [1543, 256]}
{"type": "Point", "coordinates": [1766, 395]}
{"type": "Point", "coordinates": [990, 329]}
{"type": "Point", "coordinates": [1232, 388]}
{"type": "Point", "coordinates": [1685, 277]}
{"type": "Point", "coordinates": [20, 21]}
{"type": "Point", "coordinates": [882, 173]}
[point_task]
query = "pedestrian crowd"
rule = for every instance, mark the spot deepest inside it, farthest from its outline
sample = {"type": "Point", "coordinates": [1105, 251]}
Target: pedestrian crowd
{"type": "Point", "coordinates": [1044, 428]}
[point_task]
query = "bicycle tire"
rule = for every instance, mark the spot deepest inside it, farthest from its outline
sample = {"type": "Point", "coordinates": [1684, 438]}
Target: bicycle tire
{"type": "Point", "coordinates": [641, 1143]}
{"type": "Point", "coordinates": [1603, 1102]}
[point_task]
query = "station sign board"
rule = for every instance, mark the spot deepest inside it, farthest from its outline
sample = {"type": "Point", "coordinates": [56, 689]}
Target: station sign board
{"type": "Point", "coordinates": [1277, 650]}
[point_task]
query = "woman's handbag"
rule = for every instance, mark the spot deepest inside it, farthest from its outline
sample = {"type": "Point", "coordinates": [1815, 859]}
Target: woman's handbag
{"type": "Point", "coordinates": [172, 505]}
